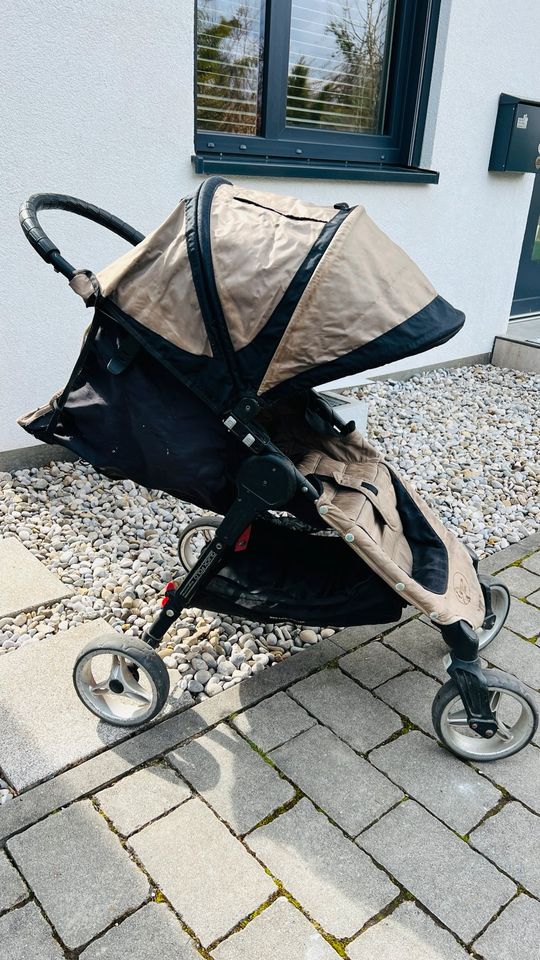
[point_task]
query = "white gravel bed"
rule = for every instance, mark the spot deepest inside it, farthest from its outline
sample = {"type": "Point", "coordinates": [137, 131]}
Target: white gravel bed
{"type": "Point", "coordinates": [467, 438]}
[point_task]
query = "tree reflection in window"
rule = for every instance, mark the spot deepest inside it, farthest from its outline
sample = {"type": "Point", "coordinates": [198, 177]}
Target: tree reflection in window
{"type": "Point", "coordinates": [229, 65]}
{"type": "Point", "coordinates": [337, 64]}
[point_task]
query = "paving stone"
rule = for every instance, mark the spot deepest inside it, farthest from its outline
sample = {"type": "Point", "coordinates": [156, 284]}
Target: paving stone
{"type": "Point", "coordinates": [151, 932]}
{"type": "Point", "coordinates": [332, 879]}
{"type": "Point", "coordinates": [438, 868]}
{"type": "Point", "coordinates": [351, 712]}
{"type": "Point", "coordinates": [445, 785]}
{"type": "Point", "coordinates": [372, 664]}
{"type": "Point", "coordinates": [25, 935]}
{"type": "Point", "coordinates": [421, 644]}
{"type": "Point", "coordinates": [66, 732]}
{"type": "Point", "coordinates": [411, 694]}
{"type": "Point", "coordinates": [532, 563]}
{"type": "Point", "coordinates": [523, 618]}
{"type": "Point", "coordinates": [534, 598]}
{"type": "Point", "coordinates": [407, 934]}
{"type": "Point", "coordinates": [515, 933]}
{"type": "Point", "coordinates": [279, 933]}
{"type": "Point", "coordinates": [208, 876]}
{"type": "Point", "coordinates": [100, 770]}
{"type": "Point", "coordinates": [136, 800]}
{"type": "Point", "coordinates": [26, 582]}
{"type": "Point", "coordinates": [509, 652]}
{"type": "Point", "coordinates": [352, 637]}
{"type": "Point", "coordinates": [79, 872]}
{"type": "Point", "coordinates": [12, 888]}
{"type": "Point", "coordinates": [343, 784]}
{"type": "Point", "coordinates": [273, 721]}
{"type": "Point", "coordinates": [519, 774]}
{"type": "Point", "coordinates": [512, 840]}
{"type": "Point", "coordinates": [519, 581]}
{"type": "Point", "coordinates": [241, 787]}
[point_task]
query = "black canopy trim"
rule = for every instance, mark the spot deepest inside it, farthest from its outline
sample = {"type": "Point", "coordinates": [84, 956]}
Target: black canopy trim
{"type": "Point", "coordinates": [432, 326]}
{"type": "Point", "coordinates": [254, 357]}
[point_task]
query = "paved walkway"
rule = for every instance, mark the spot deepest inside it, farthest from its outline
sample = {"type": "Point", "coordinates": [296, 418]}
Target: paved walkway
{"type": "Point", "coordinates": [306, 813]}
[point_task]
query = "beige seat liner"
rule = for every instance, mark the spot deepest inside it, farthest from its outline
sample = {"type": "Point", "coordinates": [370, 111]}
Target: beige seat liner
{"type": "Point", "coordinates": [370, 522]}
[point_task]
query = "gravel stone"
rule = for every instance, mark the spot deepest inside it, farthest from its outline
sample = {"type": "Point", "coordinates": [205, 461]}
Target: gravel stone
{"type": "Point", "coordinates": [447, 787]}
{"type": "Point", "coordinates": [350, 711]}
{"type": "Point", "coordinates": [279, 933]}
{"type": "Point", "coordinates": [515, 933]}
{"type": "Point", "coordinates": [346, 787]}
{"type": "Point", "coordinates": [438, 868]}
{"type": "Point", "coordinates": [211, 892]}
{"type": "Point", "coordinates": [273, 721]}
{"type": "Point", "coordinates": [135, 800]}
{"type": "Point", "coordinates": [512, 840]}
{"type": "Point", "coordinates": [232, 777]}
{"type": "Point", "coordinates": [153, 931]}
{"type": "Point", "coordinates": [407, 934]}
{"type": "Point", "coordinates": [334, 881]}
{"type": "Point", "coordinates": [25, 935]}
{"type": "Point", "coordinates": [79, 872]}
{"type": "Point", "coordinates": [373, 664]}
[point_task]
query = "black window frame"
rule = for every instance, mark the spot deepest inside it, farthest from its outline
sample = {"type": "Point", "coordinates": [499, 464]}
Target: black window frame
{"type": "Point", "coordinates": [306, 152]}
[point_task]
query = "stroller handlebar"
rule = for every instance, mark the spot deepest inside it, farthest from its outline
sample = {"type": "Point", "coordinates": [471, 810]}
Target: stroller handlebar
{"type": "Point", "coordinates": [47, 249]}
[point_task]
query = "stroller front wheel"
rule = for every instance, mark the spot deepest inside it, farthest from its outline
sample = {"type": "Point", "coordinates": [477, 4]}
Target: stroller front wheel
{"type": "Point", "coordinates": [514, 710]}
{"type": "Point", "coordinates": [122, 681]}
{"type": "Point", "coordinates": [500, 605]}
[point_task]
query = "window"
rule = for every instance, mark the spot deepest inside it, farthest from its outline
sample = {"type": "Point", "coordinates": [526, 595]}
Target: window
{"type": "Point", "coordinates": [313, 87]}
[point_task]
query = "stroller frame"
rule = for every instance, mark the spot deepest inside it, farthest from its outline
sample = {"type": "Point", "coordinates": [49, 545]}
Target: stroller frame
{"type": "Point", "coordinates": [267, 480]}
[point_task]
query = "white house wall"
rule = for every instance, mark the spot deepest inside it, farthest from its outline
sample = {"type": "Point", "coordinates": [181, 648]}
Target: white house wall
{"type": "Point", "coordinates": [97, 101]}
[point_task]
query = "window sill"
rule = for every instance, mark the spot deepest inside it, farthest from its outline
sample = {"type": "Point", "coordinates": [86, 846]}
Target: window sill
{"type": "Point", "coordinates": [312, 169]}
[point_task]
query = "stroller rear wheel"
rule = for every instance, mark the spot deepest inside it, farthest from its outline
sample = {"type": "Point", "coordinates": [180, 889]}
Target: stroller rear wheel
{"type": "Point", "coordinates": [122, 681]}
{"type": "Point", "coordinates": [514, 710]}
{"type": "Point", "coordinates": [500, 604]}
{"type": "Point", "coordinates": [194, 539]}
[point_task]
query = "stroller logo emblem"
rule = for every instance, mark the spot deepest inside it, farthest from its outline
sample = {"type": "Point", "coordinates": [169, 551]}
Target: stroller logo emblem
{"type": "Point", "coordinates": [461, 588]}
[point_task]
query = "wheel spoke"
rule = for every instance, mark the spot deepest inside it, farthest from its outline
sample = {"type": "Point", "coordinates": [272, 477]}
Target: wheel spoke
{"type": "Point", "coordinates": [458, 719]}
{"type": "Point", "coordinates": [100, 688]}
{"type": "Point", "coordinates": [504, 732]}
{"type": "Point", "coordinates": [495, 700]}
{"type": "Point", "coordinates": [131, 687]}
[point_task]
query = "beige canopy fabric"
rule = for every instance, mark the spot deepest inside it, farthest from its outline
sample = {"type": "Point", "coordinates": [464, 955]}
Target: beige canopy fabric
{"type": "Point", "coordinates": [273, 294]}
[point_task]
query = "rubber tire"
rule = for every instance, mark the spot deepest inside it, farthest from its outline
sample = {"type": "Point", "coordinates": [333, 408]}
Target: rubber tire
{"type": "Point", "coordinates": [490, 582]}
{"type": "Point", "coordinates": [210, 521]}
{"type": "Point", "coordinates": [144, 656]}
{"type": "Point", "coordinates": [495, 678]}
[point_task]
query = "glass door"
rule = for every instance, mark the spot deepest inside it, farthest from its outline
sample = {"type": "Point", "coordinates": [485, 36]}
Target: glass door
{"type": "Point", "coordinates": [527, 291]}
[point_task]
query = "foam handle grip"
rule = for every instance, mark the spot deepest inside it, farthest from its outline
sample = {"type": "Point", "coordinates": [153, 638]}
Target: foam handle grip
{"type": "Point", "coordinates": [35, 234]}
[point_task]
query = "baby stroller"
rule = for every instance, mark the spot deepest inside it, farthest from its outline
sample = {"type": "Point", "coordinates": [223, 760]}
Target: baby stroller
{"type": "Point", "coordinates": [196, 377]}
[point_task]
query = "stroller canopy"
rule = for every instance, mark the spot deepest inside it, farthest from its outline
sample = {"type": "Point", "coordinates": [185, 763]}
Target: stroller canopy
{"type": "Point", "coordinates": [246, 293]}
